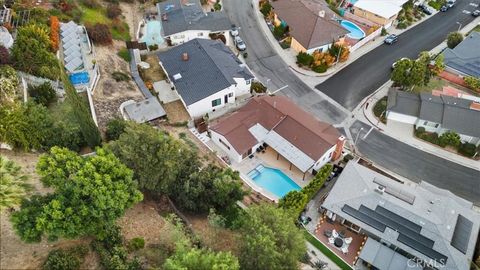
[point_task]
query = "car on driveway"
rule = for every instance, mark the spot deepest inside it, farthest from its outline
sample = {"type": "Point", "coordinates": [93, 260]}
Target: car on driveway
{"type": "Point", "coordinates": [240, 44]}
{"type": "Point", "coordinates": [391, 39]}
{"type": "Point", "coordinates": [476, 13]}
{"type": "Point", "coordinates": [234, 31]}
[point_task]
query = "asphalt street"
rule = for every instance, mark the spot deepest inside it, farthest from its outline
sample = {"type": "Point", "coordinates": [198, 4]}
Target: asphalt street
{"type": "Point", "coordinates": [415, 164]}
{"type": "Point", "coordinates": [269, 67]}
{"type": "Point", "coordinates": [362, 77]}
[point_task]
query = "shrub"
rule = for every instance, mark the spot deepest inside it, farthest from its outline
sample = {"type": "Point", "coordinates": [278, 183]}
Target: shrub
{"type": "Point", "coordinates": [120, 76]}
{"type": "Point", "coordinates": [124, 54]}
{"type": "Point", "coordinates": [69, 259]}
{"type": "Point", "coordinates": [320, 68]}
{"type": "Point", "coordinates": [279, 31]}
{"type": "Point", "coordinates": [258, 87]}
{"type": "Point", "coordinates": [4, 56]}
{"type": "Point", "coordinates": [402, 25]}
{"type": "Point", "coordinates": [217, 6]}
{"type": "Point", "coordinates": [450, 138]}
{"type": "Point", "coordinates": [304, 59]}
{"type": "Point", "coordinates": [379, 109]}
{"type": "Point", "coordinates": [54, 34]}
{"type": "Point", "coordinates": [472, 82]}
{"type": "Point", "coordinates": [136, 243]}
{"type": "Point", "coordinates": [384, 32]}
{"type": "Point", "coordinates": [115, 128]}
{"type": "Point", "coordinates": [467, 149]}
{"type": "Point", "coordinates": [434, 4]}
{"type": "Point", "coordinates": [100, 33]}
{"type": "Point", "coordinates": [43, 94]}
{"type": "Point", "coordinates": [153, 47]}
{"type": "Point", "coordinates": [453, 39]}
{"type": "Point", "coordinates": [113, 11]}
{"type": "Point", "coordinates": [266, 8]}
{"type": "Point", "coordinates": [91, 4]}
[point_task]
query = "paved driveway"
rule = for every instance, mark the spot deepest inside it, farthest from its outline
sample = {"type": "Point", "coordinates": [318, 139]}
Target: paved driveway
{"type": "Point", "coordinates": [417, 165]}
{"type": "Point", "coordinates": [362, 77]}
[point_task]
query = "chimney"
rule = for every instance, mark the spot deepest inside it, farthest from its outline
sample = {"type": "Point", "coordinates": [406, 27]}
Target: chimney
{"type": "Point", "coordinates": [321, 13]}
{"type": "Point", "coordinates": [185, 56]}
{"type": "Point", "coordinates": [338, 149]}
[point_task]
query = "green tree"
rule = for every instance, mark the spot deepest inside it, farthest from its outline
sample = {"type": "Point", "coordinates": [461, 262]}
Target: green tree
{"type": "Point", "coordinates": [270, 240]}
{"type": "Point", "coordinates": [439, 65]}
{"type": "Point", "coordinates": [31, 52]}
{"type": "Point", "coordinates": [25, 126]}
{"type": "Point", "coordinates": [211, 187]}
{"type": "Point", "coordinates": [13, 184]}
{"type": "Point", "coordinates": [201, 259]}
{"type": "Point", "coordinates": [65, 259]}
{"type": "Point", "coordinates": [43, 94]}
{"type": "Point", "coordinates": [472, 82]}
{"type": "Point", "coordinates": [89, 195]}
{"type": "Point", "coordinates": [8, 85]}
{"type": "Point", "coordinates": [295, 201]}
{"type": "Point", "coordinates": [304, 59]}
{"type": "Point", "coordinates": [453, 39]}
{"type": "Point", "coordinates": [266, 8]}
{"type": "Point", "coordinates": [401, 73]}
{"type": "Point", "coordinates": [450, 138]}
{"type": "Point", "coordinates": [157, 159]}
{"type": "Point", "coordinates": [115, 128]}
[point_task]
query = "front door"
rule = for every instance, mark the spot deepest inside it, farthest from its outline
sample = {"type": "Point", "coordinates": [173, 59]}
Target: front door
{"type": "Point", "coordinates": [226, 99]}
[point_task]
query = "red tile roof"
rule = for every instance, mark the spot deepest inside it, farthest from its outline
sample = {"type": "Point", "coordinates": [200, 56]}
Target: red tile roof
{"type": "Point", "coordinates": [300, 128]}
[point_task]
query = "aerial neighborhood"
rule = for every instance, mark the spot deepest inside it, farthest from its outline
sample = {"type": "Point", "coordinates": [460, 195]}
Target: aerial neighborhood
{"type": "Point", "coordinates": [253, 135]}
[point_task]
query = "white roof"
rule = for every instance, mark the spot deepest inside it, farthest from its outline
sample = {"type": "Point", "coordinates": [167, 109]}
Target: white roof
{"type": "Point", "coordinates": [382, 8]}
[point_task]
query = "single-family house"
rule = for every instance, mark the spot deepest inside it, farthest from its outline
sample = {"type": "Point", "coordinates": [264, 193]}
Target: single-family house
{"type": "Point", "coordinates": [436, 113]}
{"type": "Point", "coordinates": [382, 12]}
{"type": "Point", "coordinates": [464, 59]}
{"type": "Point", "coordinates": [294, 134]}
{"type": "Point", "coordinates": [408, 226]}
{"type": "Point", "coordinates": [184, 20]}
{"type": "Point", "coordinates": [311, 26]}
{"type": "Point", "coordinates": [206, 75]}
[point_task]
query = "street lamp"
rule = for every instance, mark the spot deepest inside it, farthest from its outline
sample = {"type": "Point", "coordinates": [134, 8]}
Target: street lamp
{"type": "Point", "coordinates": [459, 26]}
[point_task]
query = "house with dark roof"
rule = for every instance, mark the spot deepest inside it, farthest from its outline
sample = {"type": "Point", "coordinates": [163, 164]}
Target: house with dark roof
{"type": "Point", "coordinates": [184, 20]}
{"type": "Point", "coordinates": [310, 24]}
{"type": "Point", "coordinates": [206, 74]}
{"type": "Point", "coordinates": [296, 135]}
{"type": "Point", "coordinates": [408, 226]}
{"type": "Point", "coordinates": [464, 59]}
{"type": "Point", "coordinates": [436, 113]}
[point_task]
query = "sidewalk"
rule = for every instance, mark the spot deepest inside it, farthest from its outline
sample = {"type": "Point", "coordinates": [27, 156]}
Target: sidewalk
{"type": "Point", "coordinates": [404, 132]}
{"type": "Point", "coordinates": [312, 78]}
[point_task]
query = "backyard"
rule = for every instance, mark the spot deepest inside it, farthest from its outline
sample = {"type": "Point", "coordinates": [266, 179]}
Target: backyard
{"type": "Point", "coordinates": [118, 28]}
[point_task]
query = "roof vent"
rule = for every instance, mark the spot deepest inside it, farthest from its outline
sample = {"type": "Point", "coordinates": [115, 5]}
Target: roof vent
{"type": "Point", "coordinates": [177, 77]}
{"type": "Point", "coordinates": [321, 13]}
{"type": "Point", "coordinates": [380, 189]}
{"type": "Point", "coordinates": [185, 56]}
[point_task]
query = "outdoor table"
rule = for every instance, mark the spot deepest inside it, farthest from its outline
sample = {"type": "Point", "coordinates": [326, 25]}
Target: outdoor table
{"type": "Point", "coordinates": [338, 242]}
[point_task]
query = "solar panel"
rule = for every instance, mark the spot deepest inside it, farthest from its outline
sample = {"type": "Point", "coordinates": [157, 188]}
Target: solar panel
{"type": "Point", "coordinates": [363, 218]}
{"type": "Point", "coordinates": [396, 226]}
{"type": "Point", "coordinates": [461, 234]}
{"type": "Point", "coordinates": [399, 219]}
{"type": "Point", "coordinates": [413, 243]}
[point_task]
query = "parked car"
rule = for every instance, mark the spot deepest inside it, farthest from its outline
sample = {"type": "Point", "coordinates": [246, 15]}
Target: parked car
{"type": "Point", "coordinates": [395, 63]}
{"type": "Point", "coordinates": [476, 13]}
{"type": "Point", "coordinates": [240, 44]}
{"type": "Point", "coordinates": [234, 31]}
{"type": "Point", "coordinates": [444, 8]}
{"type": "Point", "coordinates": [425, 9]}
{"type": "Point", "coordinates": [391, 39]}
{"type": "Point", "coordinates": [450, 3]}
{"type": "Point", "coordinates": [337, 170]}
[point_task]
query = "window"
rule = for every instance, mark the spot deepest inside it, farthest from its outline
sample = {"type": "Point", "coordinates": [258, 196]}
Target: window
{"type": "Point", "coordinates": [436, 125]}
{"type": "Point", "coordinates": [216, 102]}
{"type": "Point", "coordinates": [200, 34]}
{"type": "Point", "coordinates": [224, 144]}
{"type": "Point", "coordinates": [230, 94]}
{"type": "Point", "coordinates": [248, 81]}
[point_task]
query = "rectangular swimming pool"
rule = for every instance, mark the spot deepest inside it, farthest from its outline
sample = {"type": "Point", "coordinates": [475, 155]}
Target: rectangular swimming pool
{"type": "Point", "coordinates": [273, 180]}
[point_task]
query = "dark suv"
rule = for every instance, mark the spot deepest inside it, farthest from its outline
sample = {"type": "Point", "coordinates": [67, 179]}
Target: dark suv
{"type": "Point", "coordinates": [391, 39]}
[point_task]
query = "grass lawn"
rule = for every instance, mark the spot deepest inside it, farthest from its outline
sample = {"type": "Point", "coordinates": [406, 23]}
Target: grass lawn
{"type": "Point", "coordinates": [118, 28]}
{"type": "Point", "coordinates": [332, 256]}
{"type": "Point", "coordinates": [435, 83]}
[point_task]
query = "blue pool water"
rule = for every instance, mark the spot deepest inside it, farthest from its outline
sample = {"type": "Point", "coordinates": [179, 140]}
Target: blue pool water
{"type": "Point", "coordinates": [153, 33]}
{"type": "Point", "coordinates": [79, 78]}
{"type": "Point", "coordinates": [273, 180]}
{"type": "Point", "coordinates": [355, 31]}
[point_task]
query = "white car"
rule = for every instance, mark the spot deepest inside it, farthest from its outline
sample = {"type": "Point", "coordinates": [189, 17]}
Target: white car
{"type": "Point", "coordinates": [240, 44]}
{"type": "Point", "coordinates": [395, 63]}
{"type": "Point", "coordinates": [234, 31]}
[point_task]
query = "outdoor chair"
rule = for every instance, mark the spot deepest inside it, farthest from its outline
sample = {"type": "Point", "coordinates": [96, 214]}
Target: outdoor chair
{"type": "Point", "coordinates": [348, 240]}
{"type": "Point", "coordinates": [327, 233]}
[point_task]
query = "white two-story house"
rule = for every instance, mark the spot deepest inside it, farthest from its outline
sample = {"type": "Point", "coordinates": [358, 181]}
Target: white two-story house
{"type": "Point", "coordinates": [206, 75]}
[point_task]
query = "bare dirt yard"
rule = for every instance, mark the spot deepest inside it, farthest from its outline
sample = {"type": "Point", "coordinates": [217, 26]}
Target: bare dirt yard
{"type": "Point", "coordinates": [109, 94]}
{"type": "Point", "coordinates": [176, 112]}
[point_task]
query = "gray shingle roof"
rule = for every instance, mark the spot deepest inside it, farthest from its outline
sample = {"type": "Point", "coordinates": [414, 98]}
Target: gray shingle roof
{"type": "Point", "coordinates": [465, 57]}
{"type": "Point", "coordinates": [403, 102]}
{"type": "Point", "coordinates": [451, 112]}
{"type": "Point", "coordinates": [190, 16]}
{"type": "Point", "coordinates": [435, 210]}
{"type": "Point", "coordinates": [211, 67]}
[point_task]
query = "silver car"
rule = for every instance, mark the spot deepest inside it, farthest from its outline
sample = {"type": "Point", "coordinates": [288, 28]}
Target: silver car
{"type": "Point", "coordinates": [240, 44]}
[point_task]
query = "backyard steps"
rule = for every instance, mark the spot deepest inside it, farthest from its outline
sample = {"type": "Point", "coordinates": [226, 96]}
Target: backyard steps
{"type": "Point", "coordinates": [201, 136]}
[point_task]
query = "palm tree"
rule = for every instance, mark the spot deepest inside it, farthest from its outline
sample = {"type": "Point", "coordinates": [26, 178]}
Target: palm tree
{"type": "Point", "coordinates": [13, 185]}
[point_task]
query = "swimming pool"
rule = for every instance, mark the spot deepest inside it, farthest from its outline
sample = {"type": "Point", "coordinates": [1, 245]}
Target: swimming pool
{"type": "Point", "coordinates": [79, 78]}
{"type": "Point", "coordinates": [273, 180]}
{"type": "Point", "coordinates": [355, 31]}
{"type": "Point", "coordinates": [153, 33]}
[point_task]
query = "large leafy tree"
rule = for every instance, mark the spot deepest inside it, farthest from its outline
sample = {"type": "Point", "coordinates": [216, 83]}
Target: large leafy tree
{"type": "Point", "coordinates": [201, 259]}
{"type": "Point", "coordinates": [89, 195]}
{"type": "Point", "coordinates": [453, 39]}
{"type": "Point", "coordinates": [31, 52]}
{"type": "Point", "coordinates": [13, 184]}
{"type": "Point", "coordinates": [157, 159]}
{"type": "Point", "coordinates": [211, 187]}
{"type": "Point", "coordinates": [270, 240]}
